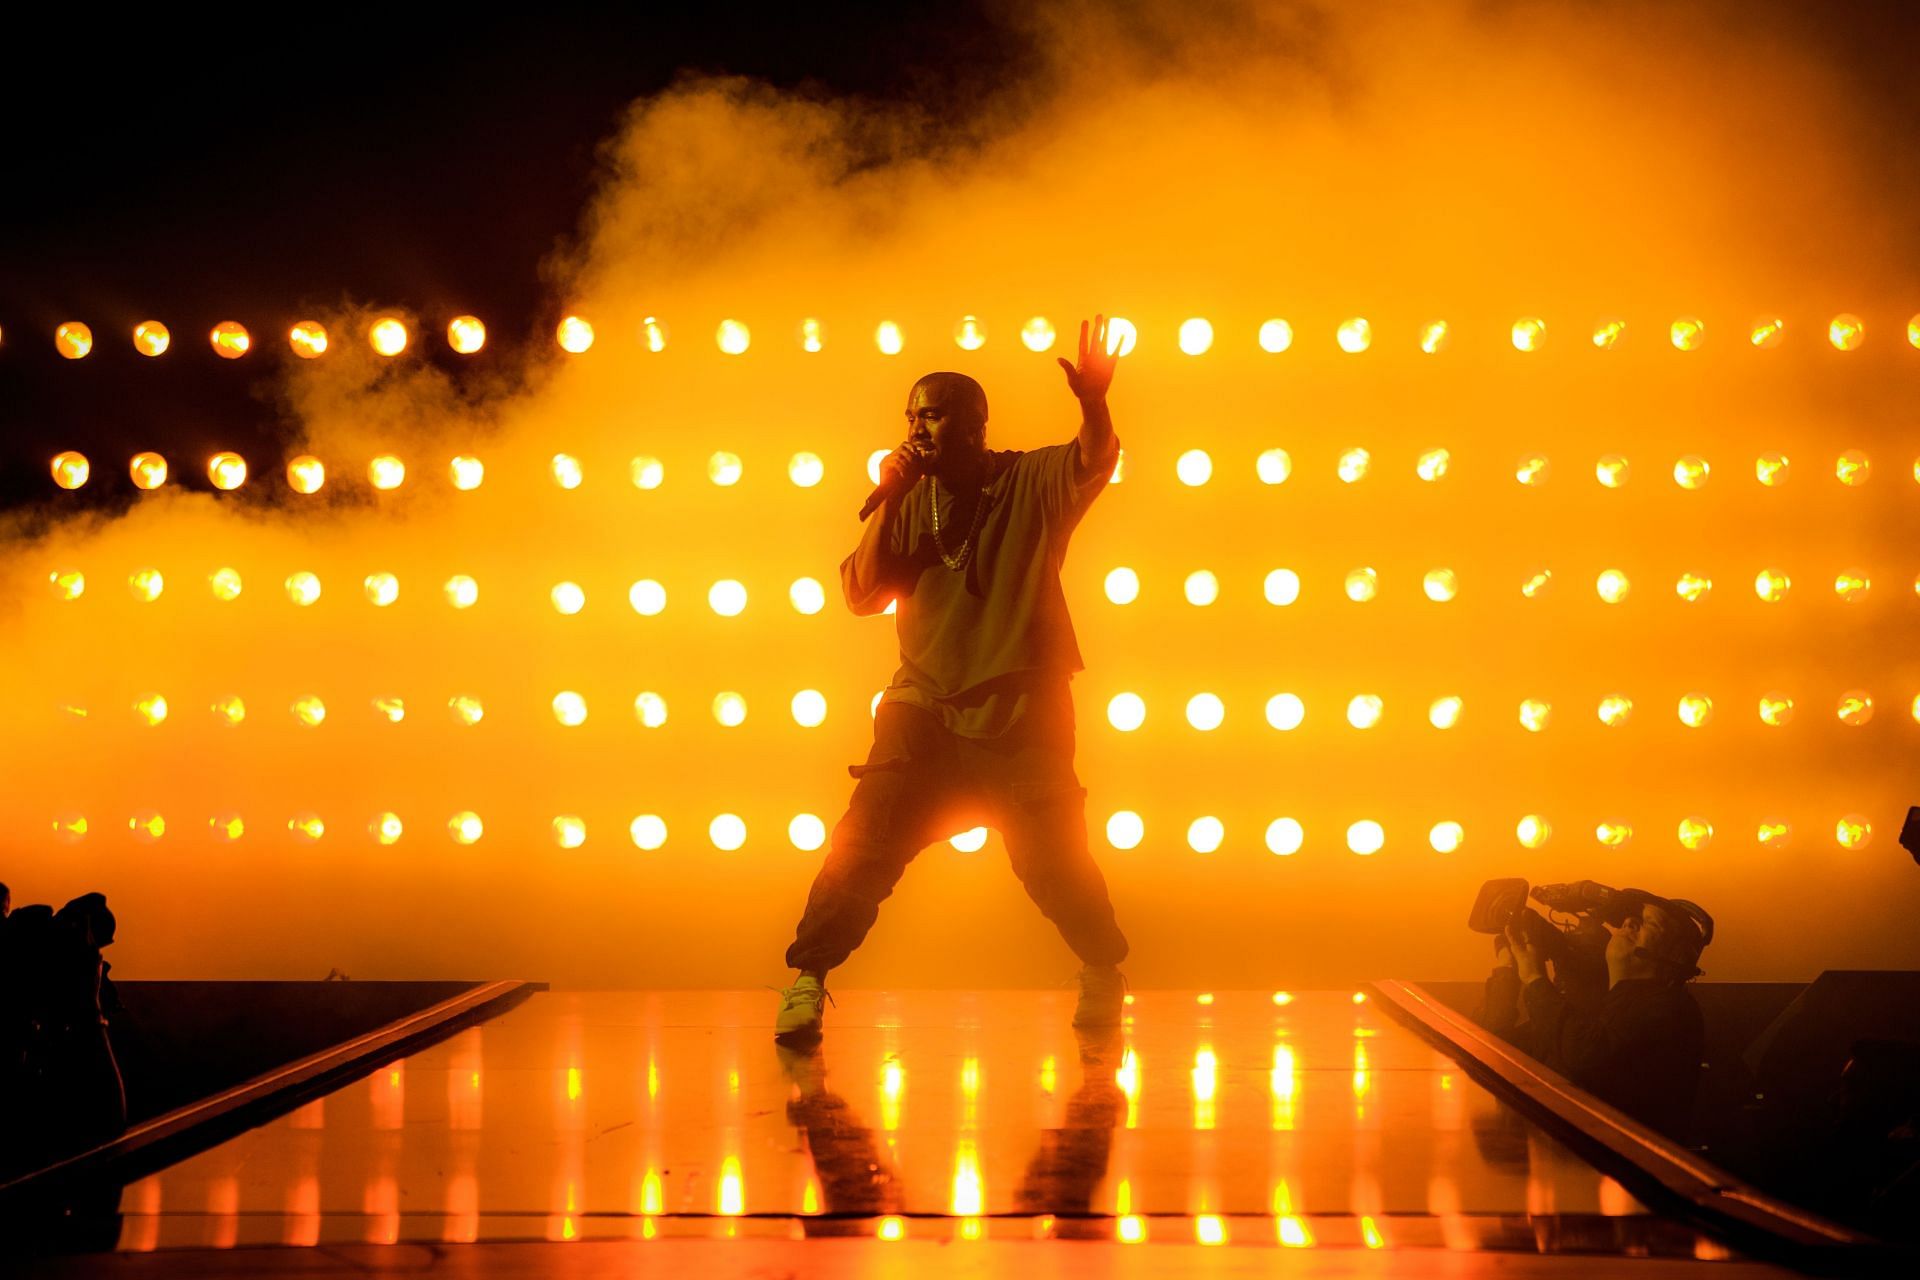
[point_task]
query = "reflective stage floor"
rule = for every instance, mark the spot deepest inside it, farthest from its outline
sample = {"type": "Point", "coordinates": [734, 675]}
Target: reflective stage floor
{"type": "Point", "coordinates": [1299, 1124]}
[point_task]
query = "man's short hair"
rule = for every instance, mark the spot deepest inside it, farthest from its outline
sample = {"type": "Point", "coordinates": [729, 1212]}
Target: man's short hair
{"type": "Point", "coordinates": [1679, 939]}
{"type": "Point", "coordinates": [960, 386]}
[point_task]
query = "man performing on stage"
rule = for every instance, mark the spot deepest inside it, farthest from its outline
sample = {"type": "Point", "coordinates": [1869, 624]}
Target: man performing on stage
{"type": "Point", "coordinates": [979, 714]}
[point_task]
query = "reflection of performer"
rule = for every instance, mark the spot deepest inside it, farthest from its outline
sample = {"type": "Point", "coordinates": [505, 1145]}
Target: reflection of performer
{"type": "Point", "coordinates": [979, 714]}
{"type": "Point", "coordinates": [856, 1180]}
{"type": "Point", "coordinates": [1072, 1160]}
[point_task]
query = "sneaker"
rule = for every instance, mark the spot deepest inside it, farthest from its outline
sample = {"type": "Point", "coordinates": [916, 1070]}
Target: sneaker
{"type": "Point", "coordinates": [1103, 993]}
{"type": "Point", "coordinates": [802, 1006]}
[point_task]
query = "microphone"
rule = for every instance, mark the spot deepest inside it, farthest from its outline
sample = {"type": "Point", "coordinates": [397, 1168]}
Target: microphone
{"type": "Point", "coordinates": [890, 484]}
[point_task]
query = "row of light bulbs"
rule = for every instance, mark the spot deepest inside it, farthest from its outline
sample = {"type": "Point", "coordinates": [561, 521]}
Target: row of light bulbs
{"type": "Point", "coordinates": [227, 471]}
{"type": "Point", "coordinates": [389, 336]}
{"type": "Point", "coordinates": [1126, 711]}
{"type": "Point", "coordinates": [728, 596]}
{"type": "Point", "coordinates": [1125, 830]}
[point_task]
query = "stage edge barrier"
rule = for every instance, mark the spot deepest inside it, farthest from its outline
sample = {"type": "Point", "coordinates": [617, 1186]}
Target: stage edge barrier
{"type": "Point", "coordinates": [165, 1139]}
{"type": "Point", "coordinates": [1660, 1172]}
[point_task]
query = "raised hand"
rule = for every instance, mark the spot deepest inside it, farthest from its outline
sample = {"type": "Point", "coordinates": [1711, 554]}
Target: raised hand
{"type": "Point", "coordinates": [1090, 378]}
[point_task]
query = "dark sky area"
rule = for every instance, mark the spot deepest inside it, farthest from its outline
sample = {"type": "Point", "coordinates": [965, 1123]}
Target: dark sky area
{"type": "Point", "coordinates": [192, 170]}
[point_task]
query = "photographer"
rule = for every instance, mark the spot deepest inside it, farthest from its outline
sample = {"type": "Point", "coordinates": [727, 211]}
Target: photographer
{"type": "Point", "coordinates": [1638, 1045]}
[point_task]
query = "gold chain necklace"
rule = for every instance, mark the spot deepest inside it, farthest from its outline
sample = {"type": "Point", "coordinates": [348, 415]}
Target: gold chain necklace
{"type": "Point", "coordinates": [958, 561]}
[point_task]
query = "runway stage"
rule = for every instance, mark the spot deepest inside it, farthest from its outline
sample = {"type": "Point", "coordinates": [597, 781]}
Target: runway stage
{"type": "Point", "coordinates": [1306, 1125]}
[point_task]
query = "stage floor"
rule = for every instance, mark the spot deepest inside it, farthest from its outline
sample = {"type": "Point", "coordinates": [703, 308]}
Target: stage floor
{"type": "Point", "coordinates": [1300, 1121]}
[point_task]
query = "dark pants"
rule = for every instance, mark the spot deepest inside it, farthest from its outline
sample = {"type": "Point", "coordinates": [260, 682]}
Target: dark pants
{"type": "Point", "coordinates": [922, 783]}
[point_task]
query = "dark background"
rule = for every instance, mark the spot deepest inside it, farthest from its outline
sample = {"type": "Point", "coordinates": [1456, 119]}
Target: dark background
{"type": "Point", "coordinates": [191, 171]}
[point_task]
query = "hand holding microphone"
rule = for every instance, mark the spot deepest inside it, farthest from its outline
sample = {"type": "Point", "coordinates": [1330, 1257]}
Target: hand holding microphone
{"type": "Point", "coordinates": [898, 472]}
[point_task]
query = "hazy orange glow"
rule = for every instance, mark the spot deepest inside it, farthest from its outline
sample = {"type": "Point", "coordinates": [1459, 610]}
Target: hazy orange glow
{"type": "Point", "coordinates": [574, 334]}
{"type": "Point", "coordinates": [388, 336]}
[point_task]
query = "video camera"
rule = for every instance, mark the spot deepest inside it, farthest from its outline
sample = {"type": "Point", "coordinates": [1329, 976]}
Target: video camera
{"type": "Point", "coordinates": [1503, 902]}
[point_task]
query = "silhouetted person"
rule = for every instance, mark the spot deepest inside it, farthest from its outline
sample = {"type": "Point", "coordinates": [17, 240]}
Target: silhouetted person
{"type": "Point", "coordinates": [6, 902]}
{"type": "Point", "coordinates": [1639, 1046]}
{"type": "Point", "coordinates": [969, 543]}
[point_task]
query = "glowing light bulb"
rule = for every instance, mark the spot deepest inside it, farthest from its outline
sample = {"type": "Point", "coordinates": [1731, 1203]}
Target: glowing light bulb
{"type": "Point", "coordinates": [147, 826]}
{"type": "Point", "coordinates": [461, 591]}
{"type": "Point", "coordinates": [733, 337]}
{"type": "Point", "coordinates": [648, 831]}
{"type": "Point", "coordinates": [806, 469]}
{"type": "Point", "coordinates": [149, 470]}
{"type": "Point", "coordinates": [392, 710]}
{"type": "Point", "coordinates": [1767, 332]}
{"type": "Point", "coordinates": [1776, 709]}
{"type": "Point", "coordinates": [653, 334]}
{"type": "Point", "coordinates": [230, 340]}
{"type": "Point", "coordinates": [727, 831]}
{"type": "Point", "coordinates": [68, 584]}
{"type": "Point", "coordinates": [1433, 465]}
{"type": "Point", "coordinates": [1533, 831]}
{"type": "Point", "coordinates": [303, 588]}
{"type": "Point", "coordinates": [569, 831]}
{"type": "Point", "coordinates": [151, 708]}
{"type": "Point", "coordinates": [1856, 708]}
{"type": "Point", "coordinates": [565, 470]}
{"type": "Point", "coordinates": [972, 840]}
{"type": "Point", "coordinates": [1201, 587]}
{"type": "Point", "coordinates": [1440, 585]}
{"type": "Point", "coordinates": [1913, 332]}
{"type": "Point", "coordinates": [569, 708]}
{"type": "Point", "coordinates": [807, 595]}
{"type": "Point", "coordinates": [466, 334]}
{"type": "Point", "coordinates": [727, 598]}
{"type": "Point", "coordinates": [1771, 469]}
{"type": "Point", "coordinates": [1205, 711]}
{"type": "Point", "coordinates": [388, 337]}
{"type": "Point", "coordinates": [806, 832]}
{"type": "Point", "coordinates": [73, 340]}
{"type": "Point", "coordinates": [809, 708]}
{"type": "Point", "coordinates": [724, 468]}
{"type": "Point", "coordinates": [307, 828]}
{"type": "Point", "coordinates": [146, 584]}
{"type": "Point", "coordinates": [1204, 835]}
{"type": "Point", "coordinates": [874, 460]}
{"type": "Point", "coordinates": [1196, 336]}
{"type": "Point", "coordinates": [1692, 587]}
{"type": "Point", "coordinates": [969, 334]}
{"type": "Point", "coordinates": [1354, 465]}
{"type": "Point", "coordinates": [1126, 711]}
{"type": "Point", "coordinates": [1281, 587]}
{"type": "Point", "coordinates": [309, 711]}
{"type": "Point", "coordinates": [1691, 472]}
{"type": "Point", "coordinates": [1612, 586]}
{"type": "Point", "coordinates": [1529, 333]}
{"type": "Point", "coordinates": [1435, 337]}
{"type": "Point", "coordinates": [1037, 335]}
{"type": "Point", "coordinates": [1121, 336]}
{"type": "Point", "coordinates": [1194, 467]}
{"type": "Point", "coordinates": [466, 710]}
{"type": "Point", "coordinates": [569, 598]}
{"type": "Point", "coordinates": [1772, 585]}
{"type": "Point", "coordinates": [1687, 333]}
{"type": "Point", "coordinates": [1444, 713]}
{"type": "Point", "coordinates": [382, 589]}
{"type": "Point", "coordinates": [1695, 710]}
{"type": "Point", "coordinates": [1613, 833]}
{"type": "Point", "coordinates": [1285, 836]}
{"type": "Point", "coordinates": [1285, 711]}
{"type": "Point", "coordinates": [1852, 585]}
{"type": "Point", "coordinates": [70, 469]}
{"type": "Point", "coordinates": [647, 472]}
{"type": "Point", "coordinates": [1277, 335]}
{"type": "Point", "coordinates": [1122, 586]}
{"type": "Point", "coordinates": [1852, 468]}
{"type": "Point", "coordinates": [385, 828]}
{"type": "Point", "coordinates": [1363, 710]}
{"type": "Point", "coordinates": [575, 336]}
{"type": "Point", "coordinates": [1607, 334]}
{"type": "Point", "coordinates": [465, 827]}
{"type": "Point", "coordinates": [1853, 831]}
{"type": "Point", "coordinates": [1354, 335]}
{"type": "Point", "coordinates": [1365, 837]}
{"type": "Point", "coordinates": [1774, 833]}
{"type": "Point", "coordinates": [1611, 471]}
{"type": "Point", "coordinates": [308, 339]}
{"type": "Point", "coordinates": [151, 338]}
{"type": "Point", "coordinates": [1446, 837]}
{"type": "Point", "coordinates": [730, 709]}
{"type": "Point", "coordinates": [1846, 332]}
{"type": "Point", "coordinates": [1362, 585]}
{"type": "Point", "coordinates": [386, 472]}
{"type": "Point", "coordinates": [227, 827]}
{"type": "Point", "coordinates": [1535, 585]}
{"type": "Point", "coordinates": [1533, 470]}
{"type": "Point", "coordinates": [1125, 830]}
{"type": "Point", "coordinates": [888, 338]}
{"type": "Point", "coordinates": [1615, 708]}
{"type": "Point", "coordinates": [1535, 714]}
{"type": "Point", "coordinates": [650, 709]}
{"type": "Point", "coordinates": [1695, 833]}
{"type": "Point", "coordinates": [1273, 466]}
{"type": "Point", "coordinates": [306, 474]}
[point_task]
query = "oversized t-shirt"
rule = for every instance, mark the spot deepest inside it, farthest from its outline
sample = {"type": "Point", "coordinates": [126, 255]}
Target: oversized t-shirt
{"type": "Point", "coordinates": [983, 646]}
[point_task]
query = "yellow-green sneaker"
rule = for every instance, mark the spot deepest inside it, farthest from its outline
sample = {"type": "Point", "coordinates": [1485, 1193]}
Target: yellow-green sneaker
{"type": "Point", "coordinates": [802, 1006]}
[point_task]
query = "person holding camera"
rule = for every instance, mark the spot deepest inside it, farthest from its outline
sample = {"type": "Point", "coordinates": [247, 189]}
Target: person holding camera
{"type": "Point", "coordinates": [1638, 1044]}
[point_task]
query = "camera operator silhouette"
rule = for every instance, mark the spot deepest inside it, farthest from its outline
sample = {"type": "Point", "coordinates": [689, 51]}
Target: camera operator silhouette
{"type": "Point", "coordinates": [1635, 1044]}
